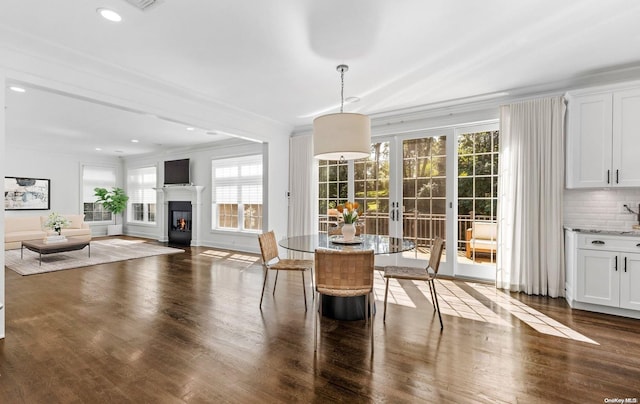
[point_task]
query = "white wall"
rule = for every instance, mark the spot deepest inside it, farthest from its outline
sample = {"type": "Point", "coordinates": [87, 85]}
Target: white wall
{"type": "Point", "coordinates": [65, 174]}
{"type": "Point", "coordinates": [600, 208]}
{"type": "Point", "coordinates": [276, 175]}
{"type": "Point", "coordinates": [62, 169]}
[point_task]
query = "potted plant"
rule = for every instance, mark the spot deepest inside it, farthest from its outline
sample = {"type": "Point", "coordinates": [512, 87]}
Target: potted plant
{"type": "Point", "coordinates": [114, 201]}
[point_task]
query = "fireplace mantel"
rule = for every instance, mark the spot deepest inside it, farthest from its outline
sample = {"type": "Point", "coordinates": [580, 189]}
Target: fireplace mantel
{"type": "Point", "coordinates": [169, 188]}
{"type": "Point", "coordinates": [190, 193]}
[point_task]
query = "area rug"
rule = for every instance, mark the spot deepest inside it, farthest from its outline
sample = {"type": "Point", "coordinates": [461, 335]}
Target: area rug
{"type": "Point", "coordinates": [102, 251]}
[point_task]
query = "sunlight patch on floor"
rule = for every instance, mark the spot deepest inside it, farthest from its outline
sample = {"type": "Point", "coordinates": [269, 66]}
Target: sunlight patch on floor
{"type": "Point", "coordinates": [454, 301]}
{"type": "Point", "coordinates": [243, 258]}
{"type": "Point", "coordinates": [397, 295]}
{"type": "Point", "coordinates": [528, 315]}
{"type": "Point", "coordinates": [215, 253]}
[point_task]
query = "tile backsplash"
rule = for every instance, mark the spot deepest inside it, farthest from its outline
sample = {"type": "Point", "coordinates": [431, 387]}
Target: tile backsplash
{"type": "Point", "coordinates": [600, 208]}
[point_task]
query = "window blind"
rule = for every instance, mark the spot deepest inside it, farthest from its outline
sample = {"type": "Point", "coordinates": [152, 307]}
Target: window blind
{"type": "Point", "coordinates": [96, 177]}
{"type": "Point", "coordinates": [140, 184]}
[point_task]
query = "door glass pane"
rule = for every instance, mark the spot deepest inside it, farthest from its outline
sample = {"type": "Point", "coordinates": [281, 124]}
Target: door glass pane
{"type": "Point", "coordinates": [424, 191]}
{"type": "Point", "coordinates": [332, 191]}
{"type": "Point", "coordinates": [371, 184]}
{"type": "Point", "coordinates": [477, 197]}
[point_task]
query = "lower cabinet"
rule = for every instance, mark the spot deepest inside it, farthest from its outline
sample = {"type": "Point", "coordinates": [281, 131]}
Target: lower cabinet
{"type": "Point", "coordinates": [609, 278]}
{"type": "Point", "coordinates": [630, 282]}
{"type": "Point", "coordinates": [603, 272]}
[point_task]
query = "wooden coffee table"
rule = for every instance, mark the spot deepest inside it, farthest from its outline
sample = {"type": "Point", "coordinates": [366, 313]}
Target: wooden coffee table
{"type": "Point", "coordinates": [42, 248]}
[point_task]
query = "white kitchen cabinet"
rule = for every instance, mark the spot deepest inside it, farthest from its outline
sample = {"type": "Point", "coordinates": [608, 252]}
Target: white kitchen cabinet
{"type": "Point", "coordinates": [598, 282]}
{"type": "Point", "coordinates": [630, 282]}
{"type": "Point", "coordinates": [603, 139]}
{"type": "Point", "coordinates": [603, 273]}
{"type": "Point", "coordinates": [626, 138]}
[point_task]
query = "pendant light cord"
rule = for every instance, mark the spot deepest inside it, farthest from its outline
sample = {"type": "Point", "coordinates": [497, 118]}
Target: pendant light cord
{"type": "Point", "coordinates": [341, 90]}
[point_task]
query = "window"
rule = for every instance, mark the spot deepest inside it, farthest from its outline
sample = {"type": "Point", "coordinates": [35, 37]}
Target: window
{"type": "Point", "coordinates": [333, 187]}
{"type": "Point", "coordinates": [424, 187]}
{"type": "Point", "coordinates": [142, 196]}
{"type": "Point", "coordinates": [477, 188]}
{"type": "Point", "coordinates": [237, 193]}
{"type": "Point", "coordinates": [96, 177]}
{"type": "Point", "coordinates": [371, 183]}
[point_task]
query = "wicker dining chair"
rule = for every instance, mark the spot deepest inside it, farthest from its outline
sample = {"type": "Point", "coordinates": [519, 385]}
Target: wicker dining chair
{"type": "Point", "coordinates": [427, 274]}
{"type": "Point", "coordinates": [271, 260]}
{"type": "Point", "coordinates": [344, 273]}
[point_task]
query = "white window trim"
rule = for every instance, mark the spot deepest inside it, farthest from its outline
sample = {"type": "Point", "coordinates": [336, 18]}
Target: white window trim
{"type": "Point", "coordinates": [246, 160]}
{"type": "Point", "coordinates": [130, 201]}
{"type": "Point", "coordinates": [82, 201]}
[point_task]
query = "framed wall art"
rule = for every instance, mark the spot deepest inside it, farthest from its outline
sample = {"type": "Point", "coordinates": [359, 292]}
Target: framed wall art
{"type": "Point", "coordinates": [26, 193]}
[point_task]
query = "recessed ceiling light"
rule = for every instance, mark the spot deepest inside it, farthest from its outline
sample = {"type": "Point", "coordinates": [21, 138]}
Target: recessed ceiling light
{"type": "Point", "coordinates": [190, 128]}
{"type": "Point", "coordinates": [109, 15]}
{"type": "Point", "coordinates": [98, 148]}
{"type": "Point", "coordinates": [17, 89]}
{"type": "Point", "coordinates": [134, 140]}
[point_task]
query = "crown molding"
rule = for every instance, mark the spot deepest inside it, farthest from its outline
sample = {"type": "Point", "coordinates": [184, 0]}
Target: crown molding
{"type": "Point", "coordinates": [37, 62]}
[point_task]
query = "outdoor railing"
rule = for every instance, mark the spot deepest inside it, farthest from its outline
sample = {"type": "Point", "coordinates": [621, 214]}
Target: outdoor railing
{"type": "Point", "coordinates": [418, 227]}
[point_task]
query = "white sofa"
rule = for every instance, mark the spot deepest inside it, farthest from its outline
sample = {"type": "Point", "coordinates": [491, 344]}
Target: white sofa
{"type": "Point", "coordinates": [24, 228]}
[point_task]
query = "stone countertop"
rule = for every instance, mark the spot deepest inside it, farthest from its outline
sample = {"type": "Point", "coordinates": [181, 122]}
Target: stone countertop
{"type": "Point", "coordinates": [632, 233]}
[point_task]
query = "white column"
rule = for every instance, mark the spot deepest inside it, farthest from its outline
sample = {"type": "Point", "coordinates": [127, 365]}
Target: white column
{"type": "Point", "coordinates": [196, 210]}
{"type": "Point", "coordinates": [3, 86]}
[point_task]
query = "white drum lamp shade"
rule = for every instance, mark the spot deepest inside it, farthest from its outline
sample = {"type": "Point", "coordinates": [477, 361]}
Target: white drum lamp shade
{"type": "Point", "coordinates": [341, 136]}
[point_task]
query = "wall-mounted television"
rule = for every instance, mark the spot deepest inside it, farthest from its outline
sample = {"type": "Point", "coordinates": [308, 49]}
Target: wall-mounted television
{"type": "Point", "coordinates": [176, 172]}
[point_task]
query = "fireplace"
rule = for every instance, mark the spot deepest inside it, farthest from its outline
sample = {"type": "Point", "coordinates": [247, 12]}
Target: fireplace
{"type": "Point", "coordinates": [180, 222]}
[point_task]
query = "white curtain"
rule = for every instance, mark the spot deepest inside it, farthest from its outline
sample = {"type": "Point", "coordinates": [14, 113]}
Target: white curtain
{"type": "Point", "coordinates": [303, 197]}
{"type": "Point", "coordinates": [531, 180]}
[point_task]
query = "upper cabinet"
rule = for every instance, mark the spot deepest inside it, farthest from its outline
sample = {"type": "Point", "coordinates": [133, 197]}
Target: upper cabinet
{"type": "Point", "coordinates": [603, 139]}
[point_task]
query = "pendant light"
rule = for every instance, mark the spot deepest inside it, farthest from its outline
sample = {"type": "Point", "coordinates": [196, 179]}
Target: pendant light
{"type": "Point", "coordinates": [342, 136]}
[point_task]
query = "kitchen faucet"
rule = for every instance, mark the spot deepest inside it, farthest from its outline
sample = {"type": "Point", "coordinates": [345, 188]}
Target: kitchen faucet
{"type": "Point", "coordinates": [634, 212]}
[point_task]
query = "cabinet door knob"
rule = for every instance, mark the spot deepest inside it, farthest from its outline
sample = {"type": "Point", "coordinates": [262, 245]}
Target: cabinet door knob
{"type": "Point", "coordinates": [600, 242]}
{"type": "Point", "coordinates": [625, 264]}
{"type": "Point", "coordinates": [616, 264]}
{"type": "Point", "coordinates": [608, 176]}
{"type": "Point", "coordinates": [638, 245]}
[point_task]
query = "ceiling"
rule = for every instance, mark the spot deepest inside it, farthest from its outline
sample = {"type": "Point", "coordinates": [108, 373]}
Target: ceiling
{"type": "Point", "coordinates": [277, 58]}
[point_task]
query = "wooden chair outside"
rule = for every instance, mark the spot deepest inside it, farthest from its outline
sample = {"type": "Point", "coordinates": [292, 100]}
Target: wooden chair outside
{"type": "Point", "coordinates": [427, 274]}
{"type": "Point", "coordinates": [271, 260]}
{"type": "Point", "coordinates": [481, 238]}
{"type": "Point", "coordinates": [344, 273]}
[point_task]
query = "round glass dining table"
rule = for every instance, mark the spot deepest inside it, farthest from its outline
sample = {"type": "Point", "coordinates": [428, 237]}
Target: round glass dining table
{"type": "Point", "coordinates": [346, 308]}
{"type": "Point", "coordinates": [379, 244]}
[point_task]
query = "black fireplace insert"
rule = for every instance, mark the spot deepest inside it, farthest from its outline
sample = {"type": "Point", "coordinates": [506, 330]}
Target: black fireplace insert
{"type": "Point", "coordinates": [180, 222]}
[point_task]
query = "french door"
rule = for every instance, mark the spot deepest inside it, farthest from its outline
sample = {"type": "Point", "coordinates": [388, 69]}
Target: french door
{"type": "Point", "coordinates": [436, 183]}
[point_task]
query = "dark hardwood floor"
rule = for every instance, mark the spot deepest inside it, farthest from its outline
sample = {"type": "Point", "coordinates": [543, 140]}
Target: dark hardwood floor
{"type": "Point", "coordinates": [187, 328]}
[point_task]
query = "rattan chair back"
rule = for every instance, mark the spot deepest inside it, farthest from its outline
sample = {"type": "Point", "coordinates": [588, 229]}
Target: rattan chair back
{"type": "Point", "coordinates": [436, 254]}
{"type": "Point", "coordinates": [344, 273]}
{"type": "Point", "coordinates": [268, 246]}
